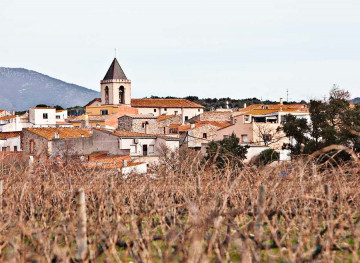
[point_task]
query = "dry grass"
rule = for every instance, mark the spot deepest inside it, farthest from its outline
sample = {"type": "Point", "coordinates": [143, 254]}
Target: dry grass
{"type": "Point", "coordinates": [190, 213]}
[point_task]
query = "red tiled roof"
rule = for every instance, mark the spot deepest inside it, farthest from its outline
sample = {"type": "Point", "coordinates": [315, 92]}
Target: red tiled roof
{"type": "Point", "coordinates": [64, 133]}
{"type": "Point", "coordinates": [7, 135]}
{"type": "Point", "coordinates": [164, 103]}
{"type": "Point", "coordinates": [165, 117]}
{"type": "Point", "coordinates": [215, 123]}
{"type": "Point", "coordinates": [123, 133]}
{"type": "Point", "coordinates": [7, 117]}
{"type": "Point", "coordinates": [269, 108]}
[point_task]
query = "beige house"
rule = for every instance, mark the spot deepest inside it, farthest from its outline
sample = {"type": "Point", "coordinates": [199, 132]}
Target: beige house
{"type": "Point", "coordinates": [262, 124]}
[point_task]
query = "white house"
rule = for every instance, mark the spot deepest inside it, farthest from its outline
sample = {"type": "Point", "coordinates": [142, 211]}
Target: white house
{"type": "Point", "coordinates": [42, 116]}
{"type": "Point", "coordinates": [4, 113]}
{"type": "Point", "coordinates": [14, 123]}
{"type": "Point", "coordinates": [10, 141]}
{"type": "Point", "coordinates": [61, 116]}
{"type": "Point", "coordinates": [47, 117]}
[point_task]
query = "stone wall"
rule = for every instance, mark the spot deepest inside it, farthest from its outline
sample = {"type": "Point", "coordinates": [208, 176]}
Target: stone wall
{"type": "Point", "coordinates": [212, 116]}
{"type": "Point", "coordinates": [40, 145]}
{"type": "Point", "coordinates": [136, 124]}
{"type": "Point", "coordinates": [125, 123]}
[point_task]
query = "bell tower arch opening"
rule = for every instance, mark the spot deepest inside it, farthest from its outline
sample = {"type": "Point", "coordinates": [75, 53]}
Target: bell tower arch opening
{"type": "Point", "coordinates": [121, 95]}
{"type": "Point", "coordinates": [106, 95]}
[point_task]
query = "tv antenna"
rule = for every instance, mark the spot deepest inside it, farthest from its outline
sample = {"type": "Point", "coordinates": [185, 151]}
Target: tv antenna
{"type": "Point", "coordinates": [287, 95]}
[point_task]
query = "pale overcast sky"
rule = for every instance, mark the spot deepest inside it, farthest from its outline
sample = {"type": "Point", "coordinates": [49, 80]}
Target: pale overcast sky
{"type": "Point", "coordinates": [238, 49]}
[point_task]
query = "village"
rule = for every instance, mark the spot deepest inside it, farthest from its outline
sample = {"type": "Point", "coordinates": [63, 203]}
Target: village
{"type": "Point", "coordinates": [125, 134]}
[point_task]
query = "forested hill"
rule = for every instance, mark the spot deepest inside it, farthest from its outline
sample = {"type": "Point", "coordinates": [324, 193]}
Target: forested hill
{"type": "Point", "coordinates": [214, 103]}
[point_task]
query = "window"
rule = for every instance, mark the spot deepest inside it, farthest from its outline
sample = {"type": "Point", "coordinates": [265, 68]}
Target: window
{"type": "Point", "coordinates": [104, 112]}
{"type": "Point", "coordinates": [154, 110]}
{"type": "Point", "coordinates": [204, 135]}
{"type": "Point", "coordinates": [246, 118]}
{"type": "Point", "coordinates": [58, 117]}
{"type": "Point", "coordinates": [198, 110]}
{"type": "Point", "coordinates": [32, 147]}
{"type": "Point", "coordinates": [244, 138]}
{"type": "Point", "coordinates": [15, 149]}
{"type": "Point", "coordinates": [3, 149]}
{"type": "Point", "coordinates": [151, 148]}
{"type": "Point", "coordinates": [186, 118]}
{"type": "Point", "coordinates": [176, 112]}
{"type": "Point", "coordinates": [133, 149]}
{"type": "Point", "coordinates": [165, 109]}
{"type": "Point", "coordinates": [45, 115]}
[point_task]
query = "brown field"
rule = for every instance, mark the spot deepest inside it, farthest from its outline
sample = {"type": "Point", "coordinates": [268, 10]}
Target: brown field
{"type": "Point", "coordinates": [192, 212]}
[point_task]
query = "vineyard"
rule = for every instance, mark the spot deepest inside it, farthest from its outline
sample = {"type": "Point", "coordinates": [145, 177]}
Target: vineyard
{"type": "Point", "coordinates": [191, 212]}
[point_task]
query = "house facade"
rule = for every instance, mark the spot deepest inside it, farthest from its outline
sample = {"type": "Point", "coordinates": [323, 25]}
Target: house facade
{"type": "Point", "coordinates": [10, 141]}
{"type": "Point", "coordinates": [262, 124]}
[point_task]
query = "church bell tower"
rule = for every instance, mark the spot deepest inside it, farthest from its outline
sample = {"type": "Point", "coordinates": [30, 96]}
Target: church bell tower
{"type": "Point", "coordinates": [115, 87]}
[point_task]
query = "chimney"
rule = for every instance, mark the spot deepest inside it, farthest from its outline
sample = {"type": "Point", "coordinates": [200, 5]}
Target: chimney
{"type": "Point", "coordinates": [86, 119]}
{"type": "Point", "coordinates": [125, 163]}
{"type": "Point", "coordinates": [281, 101]}
{"type": "Point", "coordinates": [56, 135]}
{"type": "Point", "coordinates": [244, 105]}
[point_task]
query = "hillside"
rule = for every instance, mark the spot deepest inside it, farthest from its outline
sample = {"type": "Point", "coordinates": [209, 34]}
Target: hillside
{"type": "Point", "coordinates": [356, 100]}
{"type": "Point", "coordinates": [22, 88]}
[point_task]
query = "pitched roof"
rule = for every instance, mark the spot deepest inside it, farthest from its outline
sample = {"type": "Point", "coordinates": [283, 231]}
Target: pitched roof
{"type": "Point", "coordinates": [215, 123]}
{"type": "Point", "coordinates": [64, 133]}
{"type": "Point", "coordinates": [7, 135]}
{"type": "Point", "coordinates": [139, 116]}
{"type": "Point", "coordinates": [269, 108]}
{"type": "Point", "coordinates": [4, 118]}
{"type": "Point", "coordinates": [164, 103]}
{"type": "Point", "coordinates": [165, 117]}
{"type": "Point", "coordinates": [94, 100]}
{"type": "Point", "coordinates": [129, 134]}
{"type": "Point", "coordinates": [91, 118]}
{"type": "Point", "coordinates": [115, 71]}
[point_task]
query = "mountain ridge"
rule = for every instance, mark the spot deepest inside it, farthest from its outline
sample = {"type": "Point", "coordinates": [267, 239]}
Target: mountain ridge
{"type": "Point", "coordinates": [21, 88]}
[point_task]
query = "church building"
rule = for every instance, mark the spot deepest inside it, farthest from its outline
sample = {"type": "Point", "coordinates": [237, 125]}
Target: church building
{"type": "Point", "coordinates": [116, 99]}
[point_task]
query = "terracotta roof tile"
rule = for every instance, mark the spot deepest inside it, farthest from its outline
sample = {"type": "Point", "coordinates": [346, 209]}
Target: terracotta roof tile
{"type": "Point", "coordinates": [216, 123]}
{"type": "Point", "coordinates": [64, 133]}
{"type": "Point", "coordinates": [7, 135]}
{"type": "Point", "coordinates": [260, 109]}
{"type": "Point", "coordinates": [165, 117]}
{"type": "Point", "coordinates": [123, 133]}
{"type": "Point", "coordinates": [164, 103]}
{"type": "Point", "coordinates": [8, 117]}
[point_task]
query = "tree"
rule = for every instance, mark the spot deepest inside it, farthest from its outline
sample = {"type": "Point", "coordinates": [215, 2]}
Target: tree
{"type": "Point", "coordinates": [332, 122]}
{"type": "Point", "coordinates": [267, 156]}
{"type": "Point", "coordinates": [226, 151]}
